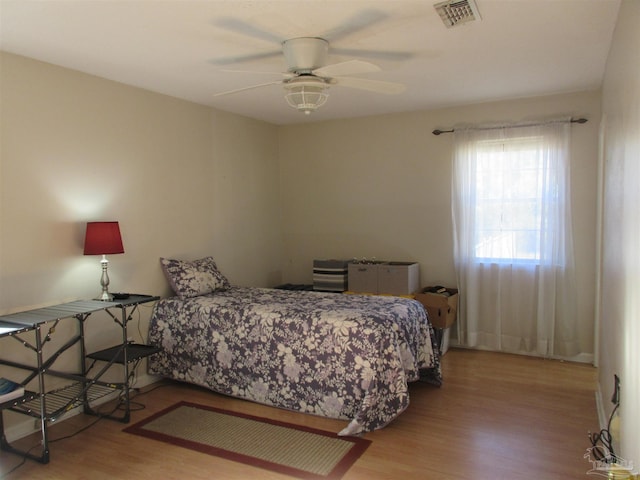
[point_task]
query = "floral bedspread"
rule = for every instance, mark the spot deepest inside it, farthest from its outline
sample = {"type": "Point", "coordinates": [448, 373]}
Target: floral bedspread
{"type": "Point", "coordinates": [340, 356]}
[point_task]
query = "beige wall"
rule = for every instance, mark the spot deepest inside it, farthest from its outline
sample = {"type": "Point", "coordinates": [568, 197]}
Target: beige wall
{"type": "Point", "coordinates": [187, 181]}
{"type": "Point", "coordinates": [381, 186]}
{"type": "Point", "coordinates": [183, 181]}
{"type": "Point", "coordinates": [619, 351]}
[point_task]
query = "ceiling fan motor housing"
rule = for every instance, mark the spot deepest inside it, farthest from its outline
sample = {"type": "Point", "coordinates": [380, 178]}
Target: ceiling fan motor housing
{"type": "Point", "coordinates": [305, 54]}
{"type": "Point", "coordinates": [309, 76]}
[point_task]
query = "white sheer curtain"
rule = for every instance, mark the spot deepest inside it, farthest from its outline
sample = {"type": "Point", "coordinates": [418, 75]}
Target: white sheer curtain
{"type": "Point", "coordinates": [513, 243]}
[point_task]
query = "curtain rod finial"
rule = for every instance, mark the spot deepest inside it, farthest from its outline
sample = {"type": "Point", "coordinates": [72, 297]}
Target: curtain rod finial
{"type": "Point", "coordinates": [438, 132]}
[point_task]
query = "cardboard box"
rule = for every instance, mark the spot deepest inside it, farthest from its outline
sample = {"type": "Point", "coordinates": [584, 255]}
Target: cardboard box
{"type": "Point", "coordinates": [442, 309]}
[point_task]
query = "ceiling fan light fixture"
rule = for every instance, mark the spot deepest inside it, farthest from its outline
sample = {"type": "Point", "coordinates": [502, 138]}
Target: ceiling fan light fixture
{"type": "Point", "coordinates": [306, 96]}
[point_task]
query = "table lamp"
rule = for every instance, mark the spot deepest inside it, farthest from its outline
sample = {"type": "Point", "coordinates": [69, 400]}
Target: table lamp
{"type": "Point", "coordinates": [103, 238]}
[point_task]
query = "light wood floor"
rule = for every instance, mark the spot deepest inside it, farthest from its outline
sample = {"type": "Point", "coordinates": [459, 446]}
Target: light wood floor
{"type": "Point", "coordinates": [497, 416]}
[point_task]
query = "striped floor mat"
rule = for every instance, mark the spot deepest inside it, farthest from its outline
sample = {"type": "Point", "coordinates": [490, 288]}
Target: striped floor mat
{"type": "Point", "coordinates": [297, 451]}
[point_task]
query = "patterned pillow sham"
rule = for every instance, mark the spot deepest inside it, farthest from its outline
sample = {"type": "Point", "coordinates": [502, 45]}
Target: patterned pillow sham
{"type": "Point", "coordinates": [193, 278]}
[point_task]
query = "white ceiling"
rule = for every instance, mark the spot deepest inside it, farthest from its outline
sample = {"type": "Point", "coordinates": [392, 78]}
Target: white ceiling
{"type": "Point", "coordinates": [519, 48]}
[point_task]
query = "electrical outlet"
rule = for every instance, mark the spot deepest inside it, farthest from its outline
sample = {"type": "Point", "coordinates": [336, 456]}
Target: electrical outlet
{"type": "Point", "coordinates": [615, 398]}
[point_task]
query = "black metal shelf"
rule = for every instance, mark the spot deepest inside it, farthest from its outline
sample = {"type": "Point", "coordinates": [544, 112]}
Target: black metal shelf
{"type": "Point", "coordinates": [28, 396]}
{"type": "Point", "coordinates": [60, 401]}
{"type": "Point", "coordinates": [135, 351]}
{"type": "Point", "coordinates": [48, 406]}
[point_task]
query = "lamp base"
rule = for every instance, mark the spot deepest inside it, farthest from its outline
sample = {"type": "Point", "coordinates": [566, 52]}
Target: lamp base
{"type": "Point", "coordinates": [105, 297]}
{"type": "Point", "coordinates": [104, 281]}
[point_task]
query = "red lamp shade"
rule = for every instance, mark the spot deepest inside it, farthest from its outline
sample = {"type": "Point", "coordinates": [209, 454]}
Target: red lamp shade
{"type": "Point", "coordinates": [103, 238]}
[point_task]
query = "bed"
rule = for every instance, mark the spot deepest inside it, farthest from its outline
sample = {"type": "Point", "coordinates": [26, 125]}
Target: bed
{"type": "Point", "coordinates": [340, 356]}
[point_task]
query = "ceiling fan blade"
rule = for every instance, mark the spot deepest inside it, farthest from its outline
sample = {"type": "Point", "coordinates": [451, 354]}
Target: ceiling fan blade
{"type": "Point", "coordinates": [388, 88]}
{"type": "Point", "coordinates": [246, 58]}
{"type": "Point", "coordinates": [350, 67]}
{"type": "Point", "coordinates": [229, 92]}
{"type": "Point", "coordinates": [257, 72]}
{"type": "Point", "coordinates": [376, 54]}
{"type": "Point", "coordinates": [239, 26]}
{"type": "Point", "coordinates": [354, 24]}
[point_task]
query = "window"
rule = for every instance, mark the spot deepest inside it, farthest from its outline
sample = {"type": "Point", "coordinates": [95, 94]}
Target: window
{"type": "Point", "coordinates": [510, 186]}
{"type": "Point", "coordinates": [511, 195]}
{"type": "Point", "coordinates": [513, 247]}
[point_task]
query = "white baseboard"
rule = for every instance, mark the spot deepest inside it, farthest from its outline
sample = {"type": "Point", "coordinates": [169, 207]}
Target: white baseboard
{"type": "Point", "coordinates": [31, 425]}
{"type": "Point", "coordinates": [602, 416]}
{"type": "Point", "coordinates": [580, 358]}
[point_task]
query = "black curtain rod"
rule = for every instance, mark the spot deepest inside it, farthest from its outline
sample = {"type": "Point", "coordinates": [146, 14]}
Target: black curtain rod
{"type": "Point", "coordinates": [573, 120]}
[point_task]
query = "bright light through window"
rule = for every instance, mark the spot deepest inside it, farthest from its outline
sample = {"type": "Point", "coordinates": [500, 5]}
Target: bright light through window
{"type": "Point", "coordinates": [510, 186]}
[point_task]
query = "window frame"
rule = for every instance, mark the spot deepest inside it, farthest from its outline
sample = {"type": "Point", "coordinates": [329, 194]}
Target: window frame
{"type": "Point", "coordinates": [502, 148]}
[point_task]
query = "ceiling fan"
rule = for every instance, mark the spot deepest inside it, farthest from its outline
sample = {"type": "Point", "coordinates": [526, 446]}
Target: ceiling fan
{"type": "Point", "coordinates": [308, 76]}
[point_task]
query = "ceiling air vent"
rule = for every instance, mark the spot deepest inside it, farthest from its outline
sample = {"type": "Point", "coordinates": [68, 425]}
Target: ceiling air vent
{"type": "Point", "coordinates": [457, 12]}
